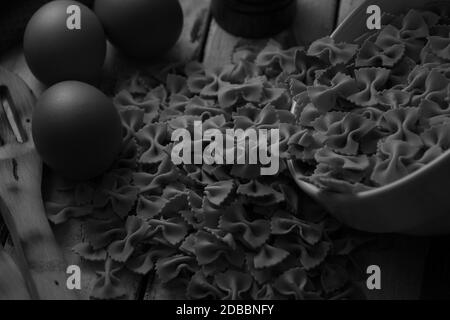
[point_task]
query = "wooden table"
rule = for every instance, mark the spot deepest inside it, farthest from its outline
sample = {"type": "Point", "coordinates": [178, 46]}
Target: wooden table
{"type": "Point", "coordinates": [412, 268]}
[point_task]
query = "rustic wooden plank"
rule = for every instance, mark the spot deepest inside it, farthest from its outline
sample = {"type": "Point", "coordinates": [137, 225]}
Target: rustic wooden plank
{"type": "Point", "coordinates": [436, 277]}
{"type": "Point", "coordinates": [70, 234]}
{"type": "Point", "coordinates": [220, 43]}
{"type": "Point", "coordinates": [14, 61]}
{"type": "Point", "coordinates": [196, 22]}
{"type": "Point", "coordinates": [12, 283]}
{"type": "Point", "coordinates": [73, 232]}
{"type": "Point", "coordinates": [346, 7]}
{"type": "Point", "coordinates": [401, 261]}
{"type": "Point", "coordinates": [3, 232]}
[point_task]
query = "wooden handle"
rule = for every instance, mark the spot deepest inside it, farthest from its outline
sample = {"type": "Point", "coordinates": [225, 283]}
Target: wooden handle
{"type": "Point", "coordinates": [12, 284]}
{"type": "Point", "coordinates": [21, 205]}
{"type": "Point", "coordinates": [23, 211]}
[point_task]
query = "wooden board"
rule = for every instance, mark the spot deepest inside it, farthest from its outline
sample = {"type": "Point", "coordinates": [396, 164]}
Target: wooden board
{"type": "Point", "coordinates": [436, 275]}
{"type": "Point", "coordinates": [71, 233]}
{"type": "Point", "coordinates": [402, 259]}
{"type": "Point", "coordinates": [12, 283]}
{"type": "Point", "coordinates": [15, 62]}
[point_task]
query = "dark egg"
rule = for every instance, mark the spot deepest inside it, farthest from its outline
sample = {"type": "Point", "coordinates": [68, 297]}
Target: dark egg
{"type": "Point", "coordinates": [141, 29]}
{"type": "Point", "coordinates": [77, 130]}
{"type": "Point", "coordinates": [64, 40]}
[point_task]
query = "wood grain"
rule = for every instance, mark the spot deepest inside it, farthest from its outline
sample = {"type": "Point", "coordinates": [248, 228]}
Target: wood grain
{"type": "Point", "coordinates": [401, 260]}
{"type": "Point", "coordinates": [14, 61]}
{"type": "Point", "coordinates": [436, 275]}
{"type": "Point", "coordinates": [12, 283]}
{"type": "Point", "coordinates": [196, 23]}
{"type": "Point", "coordinates": [72, 233]}
{"type": "Point", "coordinates": [219, 47]}
{"type": "Point", "coordinates": [21, 205]}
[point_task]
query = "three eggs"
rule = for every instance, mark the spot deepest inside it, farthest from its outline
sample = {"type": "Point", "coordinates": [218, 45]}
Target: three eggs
{"type": "Point", "coordinates": [76, 128]}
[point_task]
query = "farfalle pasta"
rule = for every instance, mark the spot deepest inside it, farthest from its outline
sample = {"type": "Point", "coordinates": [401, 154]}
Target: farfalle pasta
{"type": "Point", "coordinates": [224, 231]}
{"type": "Point", "coordinates": [330, 52]}
{"type": "Point", "coordinates": [379, 110]}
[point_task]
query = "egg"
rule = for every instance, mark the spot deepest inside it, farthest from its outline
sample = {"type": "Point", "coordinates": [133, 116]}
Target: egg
{"type": "Point", "coordinates": [77, 130]}
{"type": "Point", "coordinates": [141, 29]}
{"type": "Point", "coordinates": [64, 43]}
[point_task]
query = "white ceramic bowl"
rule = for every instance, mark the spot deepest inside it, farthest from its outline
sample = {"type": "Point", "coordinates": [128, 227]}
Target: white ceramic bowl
{"type": "Point", "coordinates": [416, 204]}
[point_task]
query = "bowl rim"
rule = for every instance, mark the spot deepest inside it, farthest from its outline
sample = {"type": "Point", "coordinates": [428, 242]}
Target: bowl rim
{"type": "Point", "coordinates": [313, 190]}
